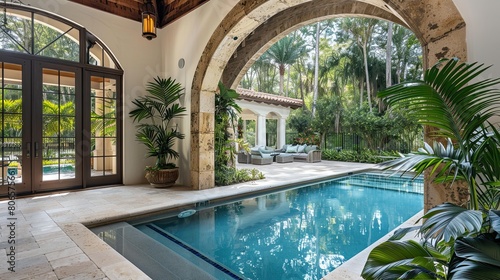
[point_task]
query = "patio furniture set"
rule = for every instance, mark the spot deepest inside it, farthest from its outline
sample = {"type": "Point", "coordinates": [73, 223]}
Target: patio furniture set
{"type": "Point", "coordinates": [289, 153]}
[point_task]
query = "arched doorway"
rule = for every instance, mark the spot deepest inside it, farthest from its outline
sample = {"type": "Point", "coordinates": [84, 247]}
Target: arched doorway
{"type": "Point", "coordinates": [61, 94]}
{"type": "Point", "coordinates": [242, 37]}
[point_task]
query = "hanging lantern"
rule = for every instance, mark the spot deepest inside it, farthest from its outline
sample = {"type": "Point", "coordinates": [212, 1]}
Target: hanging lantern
{"type": "Point", "coordinates": [148, 20]}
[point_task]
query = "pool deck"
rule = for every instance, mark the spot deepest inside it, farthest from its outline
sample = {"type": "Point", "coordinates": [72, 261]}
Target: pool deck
{"type": "Point", "coordinates": [52, 240]}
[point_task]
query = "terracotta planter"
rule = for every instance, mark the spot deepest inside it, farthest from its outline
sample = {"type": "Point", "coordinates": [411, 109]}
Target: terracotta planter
{"type": "Point", "coordinates": [163, 178]}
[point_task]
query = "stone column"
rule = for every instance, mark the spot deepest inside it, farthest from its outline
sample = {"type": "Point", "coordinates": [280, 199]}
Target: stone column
{"type": "Point", "coordinates": [202, 139]}
{"type": "Point", "coordinates": [261, 130]}
{"type": "Point", "coordinates": [281, 132]}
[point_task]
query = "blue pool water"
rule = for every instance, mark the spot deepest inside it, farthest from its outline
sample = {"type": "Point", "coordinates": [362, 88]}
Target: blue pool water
{"type": "Point", "coordinates": [301, 233]}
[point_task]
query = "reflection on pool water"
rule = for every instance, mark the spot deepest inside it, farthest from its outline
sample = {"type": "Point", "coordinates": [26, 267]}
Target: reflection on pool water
{"type": "Point", "coordinates": [301, 233]}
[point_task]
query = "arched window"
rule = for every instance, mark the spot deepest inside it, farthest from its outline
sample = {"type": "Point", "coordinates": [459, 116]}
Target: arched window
{"type": "Point", "coordinates": [60, 93]}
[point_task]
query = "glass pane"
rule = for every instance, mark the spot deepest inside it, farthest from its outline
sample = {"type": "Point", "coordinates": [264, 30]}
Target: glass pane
{"type": "Point", "coordinates": [67, 126]}
{"type": "Point", "coordinates": [56, 39]}
{"type": "Point", "coordinates": [58, 119]}
{"type": "Point", "coordinates": [16, 34]}
{"type": "Point", "coordinates": [97, 165]}
{"type": "Point", "coordinates": [99, 147]}
{"type": "Point", "coordinates": [103, 123]}
{"type": "Point", "coordinates": [110, 127]}
{"type": "Point", "coordinates": [50, 126]}
{"type": "Point", "coordinates": [11, 123]}
{"type": "Point", "coordinates": [110, 165]}
{"type": "Point", "coordinates": [99, 56]}
{"type": "Point", "coordinates": [96, 126]}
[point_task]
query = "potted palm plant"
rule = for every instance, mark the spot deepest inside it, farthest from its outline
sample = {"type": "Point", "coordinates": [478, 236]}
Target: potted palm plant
{"type": "Point", "coordinates": [153, 114]}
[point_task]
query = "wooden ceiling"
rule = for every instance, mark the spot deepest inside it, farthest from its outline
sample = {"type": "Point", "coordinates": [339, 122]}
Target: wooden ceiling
{"type": "Point", "coordinates": [167, 10]}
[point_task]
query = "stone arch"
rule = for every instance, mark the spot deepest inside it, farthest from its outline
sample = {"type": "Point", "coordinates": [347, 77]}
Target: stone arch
{"type": "Point", "coordinates": [437, 24]}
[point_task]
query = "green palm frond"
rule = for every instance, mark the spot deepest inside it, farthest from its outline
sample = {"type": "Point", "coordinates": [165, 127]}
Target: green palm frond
{"type": "Point", "coordinates": [476, 258]}
{"type": "Point", "coordinates": [158, 109]}
{"type": "Point", "coordinates": [447, 222]}
{"type": "Point", "coordinates": [406, 260]}
{"type": "Point", "coordinates": [448, 99]}
{"type": "Point", "coordinates": [445, 162]}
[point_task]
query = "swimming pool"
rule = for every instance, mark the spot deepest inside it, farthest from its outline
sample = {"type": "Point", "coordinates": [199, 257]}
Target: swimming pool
{"type": "Point", "coordinates": [300, 233]}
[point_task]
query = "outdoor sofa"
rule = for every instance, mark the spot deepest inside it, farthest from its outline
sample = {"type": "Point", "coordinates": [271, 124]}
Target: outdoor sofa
{"type": "Point", "coordinates": [289, 153]}
{"type": "Point", "coordinates": [307, 153]}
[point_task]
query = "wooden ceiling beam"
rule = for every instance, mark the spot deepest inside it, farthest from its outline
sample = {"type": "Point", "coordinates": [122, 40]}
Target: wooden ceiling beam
{"type": "Point", "coordinates": [168, 10]}
{"type": "Point", "coordinates": [130, 9]}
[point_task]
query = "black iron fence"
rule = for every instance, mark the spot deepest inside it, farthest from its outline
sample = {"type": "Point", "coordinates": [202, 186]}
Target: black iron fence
{"type": "Point", "coordinates": [353, 142]}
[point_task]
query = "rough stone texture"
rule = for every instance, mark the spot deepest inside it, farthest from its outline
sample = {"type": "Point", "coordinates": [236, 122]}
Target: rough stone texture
{"type": "Point", "coordinates": [436, 194]}
{"type": "Point", "coordinates": [242, 37]}
{"type": "Point", "coordinates": [438, 25]}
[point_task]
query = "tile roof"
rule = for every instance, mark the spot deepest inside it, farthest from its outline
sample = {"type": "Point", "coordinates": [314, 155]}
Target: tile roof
{"type": "Point", "coordinates": [273, 99]}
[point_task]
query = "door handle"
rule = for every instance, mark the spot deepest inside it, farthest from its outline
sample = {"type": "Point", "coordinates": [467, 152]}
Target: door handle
{"type": "Point", "coordinates": [28, 149]}
{"type": "Point", "coordinates": [36, 149]}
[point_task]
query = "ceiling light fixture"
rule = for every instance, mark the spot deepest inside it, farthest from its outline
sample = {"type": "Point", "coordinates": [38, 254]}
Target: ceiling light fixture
{"type": "Point", "coordinates": [148, 20]}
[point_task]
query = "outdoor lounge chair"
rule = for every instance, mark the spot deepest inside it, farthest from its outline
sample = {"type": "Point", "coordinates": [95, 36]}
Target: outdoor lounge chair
{"type": "Point", "coordinates": [244, 157]}
{"type": "Point", "coordinates": [261, 156]}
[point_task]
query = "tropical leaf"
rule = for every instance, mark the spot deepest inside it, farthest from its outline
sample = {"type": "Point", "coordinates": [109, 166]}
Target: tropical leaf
{"type": "Point", "coordinates": [445, 162]}
{"type": "Point", "coordinates": [157, 109]}
{"type": "Point", "coordinates": [448, 222]}
{"type": "Point", "coordinates": [448, 99]}
{"type": "Point", "coordinates": [408, 259]}
{"type": "Point", "coordinates": [402, 232]}
{"type": "Point", "coordinates": [476, 258]}
{"type": "Point", "coordinates": [494, 216]}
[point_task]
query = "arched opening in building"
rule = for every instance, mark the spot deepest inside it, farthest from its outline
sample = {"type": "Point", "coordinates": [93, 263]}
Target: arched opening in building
{"type": "Point", "coordinates": [242, 37]}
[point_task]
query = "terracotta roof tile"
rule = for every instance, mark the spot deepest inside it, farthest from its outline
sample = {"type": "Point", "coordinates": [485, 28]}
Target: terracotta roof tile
{"type": "Point", "coordinates": [262, 97]}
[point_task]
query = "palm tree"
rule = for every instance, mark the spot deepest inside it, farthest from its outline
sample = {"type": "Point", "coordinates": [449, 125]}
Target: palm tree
{"type": "Point", "coordinates": [361, 30]}
{"type": "Point", "coordinates": [457, 243]}
{"type": "Point", "coordinates": [285, 52]}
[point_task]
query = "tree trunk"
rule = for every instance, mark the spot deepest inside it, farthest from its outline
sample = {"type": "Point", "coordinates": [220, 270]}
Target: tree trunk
{"type": "Point", "coordinates": [368, 91]}
{"type": "Point", "coordinates": [316, 68]}
{"type": "Point", "coordinates": [282, 78]}
{"type": "Point", "coordinates": [288, 82]}
{"type": "Point", "coordinates": [388, 56]}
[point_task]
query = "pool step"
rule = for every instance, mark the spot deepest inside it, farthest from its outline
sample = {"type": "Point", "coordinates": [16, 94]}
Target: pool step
{"type": "Point", "coordinates": [153, 258]}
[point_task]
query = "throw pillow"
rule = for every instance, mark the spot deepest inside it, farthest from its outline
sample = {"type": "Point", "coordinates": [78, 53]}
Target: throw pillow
{"type": "Point", "coordinates": [291, 149]}
{"type": "Point", "coordinates": [308, 149]}
{"type": "Point", "coordinates": [301, 148]}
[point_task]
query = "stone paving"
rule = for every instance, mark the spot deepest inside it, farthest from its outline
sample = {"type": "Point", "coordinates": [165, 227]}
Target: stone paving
{"type": "Point", "coordinates": [51, 235]}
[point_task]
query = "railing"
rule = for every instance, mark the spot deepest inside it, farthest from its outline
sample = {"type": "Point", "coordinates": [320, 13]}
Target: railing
{"type": "Point", "coordinates": [353, 142]}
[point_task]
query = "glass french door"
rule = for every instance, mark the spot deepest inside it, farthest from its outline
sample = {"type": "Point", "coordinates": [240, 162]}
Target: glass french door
{"type": "Point", "coordinates": [14, 134]}
{"type": "Point", "coordinates": [56, 148]}
{"type": "Point", "coordinates": [40, 126]}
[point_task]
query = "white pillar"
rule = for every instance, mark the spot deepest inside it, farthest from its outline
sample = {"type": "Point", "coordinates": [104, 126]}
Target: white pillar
{"type": "Point", "coordinates": [281, 133]}
{"type": "Point", "coordinates": [261, 130]}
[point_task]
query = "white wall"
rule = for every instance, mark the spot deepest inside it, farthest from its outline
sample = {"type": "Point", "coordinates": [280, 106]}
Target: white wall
{"type": "Point", "coordinates": [186, 38]}
{"type": "Point", "coordinates": [482, 23]}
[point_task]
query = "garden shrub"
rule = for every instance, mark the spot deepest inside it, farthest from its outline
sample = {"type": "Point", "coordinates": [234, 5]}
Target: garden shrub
{"type": "Point", "coordinates": [364, 156]}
